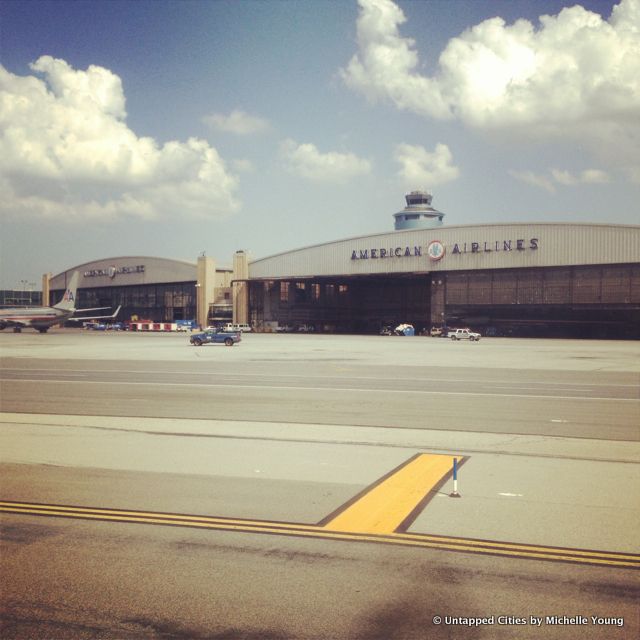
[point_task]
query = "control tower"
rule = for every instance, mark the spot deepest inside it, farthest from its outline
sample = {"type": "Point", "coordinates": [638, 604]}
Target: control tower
{"type": "Point", "coordinates": [418, 214]}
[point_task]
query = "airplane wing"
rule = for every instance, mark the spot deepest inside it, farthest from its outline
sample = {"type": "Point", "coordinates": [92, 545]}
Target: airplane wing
{"type": "Point", "coordinates": [113, 315]}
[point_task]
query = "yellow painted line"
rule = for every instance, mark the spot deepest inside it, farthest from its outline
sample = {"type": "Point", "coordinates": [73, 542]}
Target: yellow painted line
{"type": "Point", "coordinates": [493, 545]}
{"type": "Point", "coordinates": [485, 547]}
{"type": "Point", "coordinates": [386, 505]}
{"type": "Point", "coordinates": [120, 513]}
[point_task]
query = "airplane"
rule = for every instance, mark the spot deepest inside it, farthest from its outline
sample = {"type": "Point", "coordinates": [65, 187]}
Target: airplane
{"type": "Point", "coordinates": [41, 318]}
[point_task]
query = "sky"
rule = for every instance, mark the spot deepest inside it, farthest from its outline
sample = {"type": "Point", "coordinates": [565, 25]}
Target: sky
{"type": "Point", "coordinates": [172, 128]}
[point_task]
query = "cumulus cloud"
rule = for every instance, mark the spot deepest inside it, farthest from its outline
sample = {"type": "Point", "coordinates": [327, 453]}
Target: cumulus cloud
{"type": "Point", "coordinates": [561, 177]}
{"type": "Point", "coordinates": [420, 167]}
{"type": "Point", "coordinates": [386, 63]}
{"type": "Point", "coordinates": [237, 122]}
{"type": "Point", "coordinates": [306, 161]}
{"type": "Point", "coordinates": [576, 65]}
{"type": "Point", "coordinates": [575, 74]}
{"type": "Point", "coordinates": [66, 152]}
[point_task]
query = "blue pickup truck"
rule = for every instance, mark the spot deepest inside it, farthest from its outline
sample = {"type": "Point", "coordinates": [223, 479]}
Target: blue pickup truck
{"type": "Point", "coordinates": [215, 335]}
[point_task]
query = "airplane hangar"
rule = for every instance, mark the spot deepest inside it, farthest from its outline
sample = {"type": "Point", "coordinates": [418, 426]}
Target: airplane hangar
{"type": "Point", "coordinates": [150, 288]}
{"type": "Point", "coordinates": [528, 279]}
{"type": "Point", "coordinates": [502, 279]}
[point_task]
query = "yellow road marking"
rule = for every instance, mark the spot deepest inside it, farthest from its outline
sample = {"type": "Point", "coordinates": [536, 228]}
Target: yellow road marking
{"type": "Point", "coordinates": [505, 549]}
{"type": "Point", "coordinates": [385, 506]}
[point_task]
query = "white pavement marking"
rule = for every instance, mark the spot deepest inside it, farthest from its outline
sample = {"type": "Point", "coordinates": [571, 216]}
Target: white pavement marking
{"type": "Point", "coordinates": [333, 389]}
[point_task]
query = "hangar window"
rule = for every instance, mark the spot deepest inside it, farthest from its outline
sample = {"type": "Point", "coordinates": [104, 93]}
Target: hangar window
{"type": "Point", "coordinates": [330, 291]}
{"type": "Point", "coordinates": [315, 292]}
{"type": "Point", "coordinates": [343, 289]}
{"type": "Point", "coordinates": [301, 292]}
{"type": "Point", "coordinates": [284, 292]}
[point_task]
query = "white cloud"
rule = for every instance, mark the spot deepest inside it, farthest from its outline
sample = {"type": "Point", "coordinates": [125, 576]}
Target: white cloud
{"type": "Point", "coordinates": [306, 161]}
{"type": "Point", "coordinates": [561, 177]}
{"type": "Point", "coordinates": [588, 176]}
{"type": "Point", "coordinates": [576, 65]}
{"type": "Point", "coordinates": [421, 168]}
{"type": "Point", "coordinates": [66, 151]}
{"type": "Point", "coordinates": [536, 180]}
{"type": "Point", "coordinates": [575, 75]}
{"type": "Point", "coordinates": [386, 62]}
{"type": "Point", "coordinates": [237, 122]}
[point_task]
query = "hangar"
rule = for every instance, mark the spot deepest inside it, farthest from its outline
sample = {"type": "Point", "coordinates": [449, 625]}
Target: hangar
{"type": "Point", "coordinates": [528, 279]}
{"type": "Point", "coordinates": [502, 279]}
{"type": "Point", "coordinates": [156, 289]}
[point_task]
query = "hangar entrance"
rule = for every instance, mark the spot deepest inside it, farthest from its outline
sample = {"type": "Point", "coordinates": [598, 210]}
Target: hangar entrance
{"type": "Point", "coordinates": [341, 305]}
{"type": "Point", "coordinates": [577, 301]}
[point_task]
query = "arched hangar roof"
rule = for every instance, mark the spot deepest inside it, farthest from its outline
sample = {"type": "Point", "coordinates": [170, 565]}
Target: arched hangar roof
{"type": "Point", "coordinates": [454, 248]}
{"type": "Point", "coordinates": [127, 270]}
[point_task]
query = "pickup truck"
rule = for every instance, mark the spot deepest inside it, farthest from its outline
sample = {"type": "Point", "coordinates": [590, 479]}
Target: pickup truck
{"type": "Point", "coordinates": [463, 334]}
{"type": "Point", "coordinates": [209, 336]}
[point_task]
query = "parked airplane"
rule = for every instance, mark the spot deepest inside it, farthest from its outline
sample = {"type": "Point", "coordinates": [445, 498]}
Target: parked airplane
{"type": "Point", "coordinates": [41, 318]}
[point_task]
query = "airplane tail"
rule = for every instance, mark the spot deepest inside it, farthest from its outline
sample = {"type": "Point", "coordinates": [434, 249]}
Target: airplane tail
{"type": "Point", "coordinates": [68, 302]}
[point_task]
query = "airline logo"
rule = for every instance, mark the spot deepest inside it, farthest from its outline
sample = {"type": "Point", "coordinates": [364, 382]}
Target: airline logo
{"type": "Point", "coordinates": [436, 250]}
{"type": "Point", "coordinates": [68, 296]}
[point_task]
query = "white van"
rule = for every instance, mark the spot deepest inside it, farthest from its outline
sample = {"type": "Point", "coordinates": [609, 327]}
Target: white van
{"type": "Point", "coordinates": [237, 327]}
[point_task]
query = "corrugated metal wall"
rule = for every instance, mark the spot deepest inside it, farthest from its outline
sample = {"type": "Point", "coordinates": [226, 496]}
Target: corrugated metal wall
{"type": "Point", "coordinates": [467, 248]}
{"type": "Point", "coordinates": [583, 285]}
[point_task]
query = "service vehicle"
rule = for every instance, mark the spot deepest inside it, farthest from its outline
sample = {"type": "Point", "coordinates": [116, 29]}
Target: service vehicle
{"type": "Point", "coordinates": [464, 334]}
{"type": "Point", "coordinates": [237, 327]}
{"type": "Point", "coordinates": [213, 336]}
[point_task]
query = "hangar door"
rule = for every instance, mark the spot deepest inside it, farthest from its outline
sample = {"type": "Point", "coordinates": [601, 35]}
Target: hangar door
{"type": "Point", "coordinates": [349, 304]}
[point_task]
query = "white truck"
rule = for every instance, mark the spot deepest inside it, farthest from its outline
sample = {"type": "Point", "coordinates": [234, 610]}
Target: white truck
{"type": "Point", "coordinates": [463, 334]}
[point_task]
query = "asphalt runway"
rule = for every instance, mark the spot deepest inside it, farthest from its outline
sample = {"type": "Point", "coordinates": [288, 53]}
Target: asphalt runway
{"type": "Point", "coordinates": [153, 489]}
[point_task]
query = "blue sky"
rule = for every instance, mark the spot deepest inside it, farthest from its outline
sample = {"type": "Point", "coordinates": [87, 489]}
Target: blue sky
{"type": "Point", "coordinates": [171, 128]}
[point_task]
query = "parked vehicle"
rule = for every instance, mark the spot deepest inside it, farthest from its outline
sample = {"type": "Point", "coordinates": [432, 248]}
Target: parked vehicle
{"type": "Point", "coordinates": [237, 327]}
{"type": "Point", "coordinates": [213, 336]}
{"type": "Point", "coordinates": [439, 332]}
{"type": "Point", "coordinates": [464, 334]}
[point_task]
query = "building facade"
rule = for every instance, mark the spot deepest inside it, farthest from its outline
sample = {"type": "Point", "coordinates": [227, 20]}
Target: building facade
{"type": "Point", "coordinates": [502, 279]}
{"type": "Point", "coordinates": [547, 279]}
{"type": "Point", "coordinates": [148, 288]}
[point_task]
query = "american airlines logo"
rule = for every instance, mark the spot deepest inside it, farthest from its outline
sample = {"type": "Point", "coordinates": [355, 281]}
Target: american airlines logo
{"type": "Point", "coordinates": [112, 271]}
{"type": "Point", "coordinates": [436, 250]}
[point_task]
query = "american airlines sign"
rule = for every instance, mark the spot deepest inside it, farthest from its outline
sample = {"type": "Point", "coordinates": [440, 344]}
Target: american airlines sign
{"type": "Point", "coordinates": [436, 250]}
{"type": "Point", "coordinates": [112, 271]}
